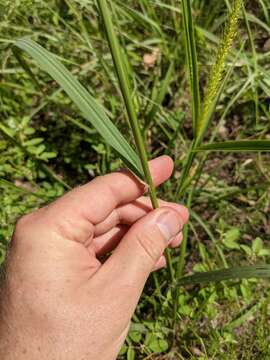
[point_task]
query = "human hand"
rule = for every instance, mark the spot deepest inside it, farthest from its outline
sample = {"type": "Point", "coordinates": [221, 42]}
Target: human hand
{"type": "Point", "coordinates": [58, 300]}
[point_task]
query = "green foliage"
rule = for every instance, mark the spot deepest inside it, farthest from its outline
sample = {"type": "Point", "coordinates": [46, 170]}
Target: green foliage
{"type": "Point", "coordinates": [237, 146]}
{"type": "Point", "coordinates": [47, 146]}
{"type": "Point", "coordinates": [244, 272]}
{"type": "Point", "coordinates": [123, 77]}
{"type": "Point", "coordinates": [191, 55]}
{"type": "Point", "coordinates": [91, 110]}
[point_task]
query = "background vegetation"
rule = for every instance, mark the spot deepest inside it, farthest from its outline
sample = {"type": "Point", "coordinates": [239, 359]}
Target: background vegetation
{"type": "Point", "coordinates": [46, 149]}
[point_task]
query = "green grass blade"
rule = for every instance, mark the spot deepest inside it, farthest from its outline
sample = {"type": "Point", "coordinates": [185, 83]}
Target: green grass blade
{"type": "Point", "coordinates": [120, 69]}
{"type": "Point", "coordinates": [25, 66]}
{"type": "Point", "coordinates": [211, 236]}
{"type": "Point", "coordinates": [265, 11]}
{"type": "Point", "coordinates": [191, 58]}
{"type": "Point", "coordinates": [160, 95]}
{"type": "Point", "coordinates": [5, 184]}
{"type": "Point", "coordinates": [235, 146]}
{"type": "Point", "coordinates": [142, 19]}
{"type": "Point", "coordinates": [255, 64]}
{"type": "Point", "coordinates": [91, 110]}
{"type": "Point", "coordinates": [245, 272]}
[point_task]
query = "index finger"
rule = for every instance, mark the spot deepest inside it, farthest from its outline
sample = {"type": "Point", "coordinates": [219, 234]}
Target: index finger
{"type": "Point", "coordinates": [97, 199]}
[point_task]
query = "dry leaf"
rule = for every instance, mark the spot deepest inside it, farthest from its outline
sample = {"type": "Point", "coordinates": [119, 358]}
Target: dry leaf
{"type": "Point", "coordinates": [149, 60]}
{"type": "Point", "coordinates": [266, 46]}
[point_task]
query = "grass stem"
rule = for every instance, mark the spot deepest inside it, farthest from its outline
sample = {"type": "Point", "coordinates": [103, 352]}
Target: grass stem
{"type": "Point", "coordinates": [123, 79]}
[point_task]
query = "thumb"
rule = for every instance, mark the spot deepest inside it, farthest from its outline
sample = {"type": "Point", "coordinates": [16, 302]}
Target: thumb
{"type": "Point", "coordinates": [142, 246]}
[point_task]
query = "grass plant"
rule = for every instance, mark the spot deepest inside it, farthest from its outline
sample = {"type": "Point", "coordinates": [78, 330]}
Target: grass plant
{"type": "Point", "coordinates": [155, 102]}
{"type": "Point", "coordinates": [202, 116]}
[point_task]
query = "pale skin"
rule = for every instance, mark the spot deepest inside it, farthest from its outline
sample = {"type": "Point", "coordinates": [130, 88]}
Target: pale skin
{"type": "Point", "coordinates": [59, 301]}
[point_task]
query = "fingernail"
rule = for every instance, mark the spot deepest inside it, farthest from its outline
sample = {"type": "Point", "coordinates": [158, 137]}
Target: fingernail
{"type": "Point", "coordinates": [169, 223]}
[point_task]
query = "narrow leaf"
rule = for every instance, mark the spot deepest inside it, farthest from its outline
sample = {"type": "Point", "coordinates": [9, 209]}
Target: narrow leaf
{"type": "Point", "coordinates": [191, 58]}
{"type": "Point", "coordinates": [245, 272]}
{"type": "Point", "coordinates": [91, 110]}
{"type": "Point", "coordinates": [233, 146]}
{"type": "Point", "coordinates": [7, 184]}
{"type": "Point", "coordinates": [24, 65]}
{"type": "Point", "coordinates": [158, 99]}
{"type": "Point", "coordinates": [120, 69]}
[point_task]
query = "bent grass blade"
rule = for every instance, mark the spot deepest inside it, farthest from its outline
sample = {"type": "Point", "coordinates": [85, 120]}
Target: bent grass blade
{"type": "Point", "coordinates": [90, 108]}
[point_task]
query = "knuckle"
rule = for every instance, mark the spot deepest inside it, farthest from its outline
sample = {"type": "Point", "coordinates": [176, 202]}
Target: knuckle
{"type": "Point", "coordinates": [100, 179]}
{"type": "Point", "coordinates": [26, 222]}
{"type": "Point", "coordinates": [22, 222]}
{"type": "Point", "coordinates": [20, 228]}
